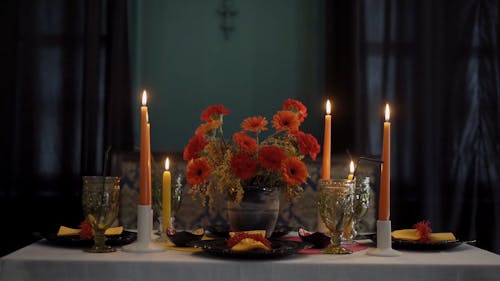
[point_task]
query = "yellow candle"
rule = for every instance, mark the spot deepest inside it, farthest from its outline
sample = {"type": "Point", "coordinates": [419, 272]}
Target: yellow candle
{"type": "Point", "coordinates": [351, 171]}
{"type": "Point", "coordinates": [385, 178]}
{"type": "Point", "coordinates": [325, 171]}
{"type": "Point", "coordinates": [326, 166]}
{"type": "Point", "coordinates": [144, 199]}
{"type": "Point", "coordinates": [166, 195]}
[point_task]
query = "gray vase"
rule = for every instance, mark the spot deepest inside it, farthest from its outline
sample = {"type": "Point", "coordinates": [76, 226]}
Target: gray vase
{"type": "Point", "coordinates": [258, 210]}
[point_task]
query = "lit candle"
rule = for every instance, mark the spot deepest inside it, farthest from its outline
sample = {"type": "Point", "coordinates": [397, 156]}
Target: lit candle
{"type": "Point", "coordinates": [144, 168]}
{"type": "Point", "coordinates": [166, 195]}
{"type": "Point", "coordinates": [351, 171]}
{"type": "Point", "coordinates": [385, 178]}
{"type": "Point", "coordinates": [325, 171]}
{"type": "Point", "coordinates": [325, 168]}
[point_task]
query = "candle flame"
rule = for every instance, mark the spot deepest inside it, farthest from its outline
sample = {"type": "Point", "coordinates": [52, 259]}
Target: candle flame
{"type": "Point", "coordinates": [167, 164]}
{"type": "Point", "coordinates": [351, 168]}
{"type": "Point", "coordinates": [144, 98]}
{"type": "Point", "coordinates": [328, 107]}
{"type": "Point", "coordinates": [387, 112]}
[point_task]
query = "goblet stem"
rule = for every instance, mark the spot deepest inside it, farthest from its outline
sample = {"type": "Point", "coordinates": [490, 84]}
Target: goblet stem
{"type": "Point", "coordinates": [335, 247]}
{"type": "Point", "coordinates": [99, 243]}
{"type": "Point", "coordinates": [349, 233]}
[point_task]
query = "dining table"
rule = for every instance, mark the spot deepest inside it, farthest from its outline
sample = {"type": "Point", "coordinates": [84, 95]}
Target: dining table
{"type": "Point", "coordinates": [45, 261]}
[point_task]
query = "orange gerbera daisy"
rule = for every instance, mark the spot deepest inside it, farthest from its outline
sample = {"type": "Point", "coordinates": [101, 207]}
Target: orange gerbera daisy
{"type": "Point", "coordinates": [198, 171]}
{"type": "Point", "coordinates": [296, 106]}
{"type": "Point", "coordinates": [294, 171]}
{"type": "Point", "coordinates": [214, 112]}
{"type": "Point", "coordinates": [246, 143]}
{"type": "Point", "coordinates": [307, 144]}
{"type": "Point", "coordinates": [194, 147]}
{"type": "Point", "coordinates": [254, 124]}
{"type": "Point", "coordinates": [286, 120]}
{"type": "Point", "coordinates": [271, 157]}
{"type": "Point", "coordinates": [206, 128]}
{"type": "Point", "coordinates": [243, 166]}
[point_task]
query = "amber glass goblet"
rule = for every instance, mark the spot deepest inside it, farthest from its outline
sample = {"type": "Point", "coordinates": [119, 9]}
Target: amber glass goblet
{"type": "Point", "coordinates": [335, 206]}
{"type": "Point", "coordinates": [100, 201]}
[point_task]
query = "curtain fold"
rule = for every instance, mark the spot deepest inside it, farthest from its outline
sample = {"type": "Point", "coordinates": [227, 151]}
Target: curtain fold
{"type": "Point", "coordinates": [66, 100]}
{"type": "Point", "coordinates": [437, 63]}
{"type": "Point", "coordinates": [475, 168]}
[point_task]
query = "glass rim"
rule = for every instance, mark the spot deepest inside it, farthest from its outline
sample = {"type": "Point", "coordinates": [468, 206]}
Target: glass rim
{"type": "Point", "coordinates": [326, 181]}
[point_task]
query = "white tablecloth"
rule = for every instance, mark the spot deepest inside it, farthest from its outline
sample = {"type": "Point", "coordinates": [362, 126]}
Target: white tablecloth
{"type": "Point", "coordinates": [41, 261]}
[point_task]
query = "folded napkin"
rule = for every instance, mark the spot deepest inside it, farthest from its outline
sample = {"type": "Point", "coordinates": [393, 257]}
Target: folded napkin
{"type": "Point", "coordinates": [414, 235]}
{"type": "Point", "coordinates": [248, 240]}
{"type": "Point", "coordinates": [247, 244]}
{"type": "Point", "coordinates": [66, 231]}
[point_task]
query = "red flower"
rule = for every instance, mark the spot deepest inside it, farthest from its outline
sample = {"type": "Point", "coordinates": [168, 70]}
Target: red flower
{"type": "Point", "coordinates": [214, 112]}
{"type": "Point", "coordinates": [296, 106]}
{"type": "Point", "coordinates": [254, 124]}
{"type": "Point", "coordinates": [194, 147]}
{"type": "Point", "coordinates": [424, 230]}
{"type": "Point", "coordinates": [307, 144]}
{"type": "Point", "coordinates": [271, 156]}
{"type": "Point", "coordinates": [243, 166]}
{"type": "Point", "coordinates": [246, 143]}
{"type": "Point", "coordinates": [198, 171]}
{"type": "Point", "coordinates": [294, 171]}
{"type": "Point", "coordinates": [286, 120]}
{"type": "Point", "coordinates": [87, 232]}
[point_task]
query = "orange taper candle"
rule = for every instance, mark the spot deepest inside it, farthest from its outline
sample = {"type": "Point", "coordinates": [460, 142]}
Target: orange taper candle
{"type": "Point", "coordinates": [144, 195]}
{"type": "Point", "coordinates": [149, 194]}
{"type": "Point", "coordinates": [325, 170]}
{"type": "Point", "coordinates": [385, 178]}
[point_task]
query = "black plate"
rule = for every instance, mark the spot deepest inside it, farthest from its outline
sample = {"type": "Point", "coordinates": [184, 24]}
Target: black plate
{"type": "Point", "coordinates": [424, 246]}
{"type": "Point", "coordinates": [280, 249]}
{"type": "Point", "coordinates": [223, 231]}
{"type": "Point", "coordinates": [125, 238]}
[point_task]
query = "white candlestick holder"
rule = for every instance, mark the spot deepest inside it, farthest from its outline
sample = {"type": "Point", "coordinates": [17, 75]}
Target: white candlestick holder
{"type": "Point", "coordinates": [384, 241]}
{"type": "Point", "coordinates": [144, 242]}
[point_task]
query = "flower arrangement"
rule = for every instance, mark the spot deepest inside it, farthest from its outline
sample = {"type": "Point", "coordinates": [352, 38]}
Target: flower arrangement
{"type": "Point", "coordinates": [216, 165]}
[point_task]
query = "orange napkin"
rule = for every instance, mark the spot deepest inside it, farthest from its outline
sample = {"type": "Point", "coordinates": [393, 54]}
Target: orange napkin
{"type": "Point", "coordinates": [414, 235]}
{"type": "Point", "coordinates": [67, 231]}
{"type": "Point", "coordinates": [248, 240]}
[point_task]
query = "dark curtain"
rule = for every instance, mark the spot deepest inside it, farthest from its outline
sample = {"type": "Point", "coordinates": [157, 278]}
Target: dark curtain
{"type": "Point", "coordinates": [437, 64]}
{"type": "Point", "coordinates": [65, 98]}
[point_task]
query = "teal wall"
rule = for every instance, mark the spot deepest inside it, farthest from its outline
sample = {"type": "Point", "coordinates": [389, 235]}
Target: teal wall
{"type": "Point", "coordinates": [180, 55]}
